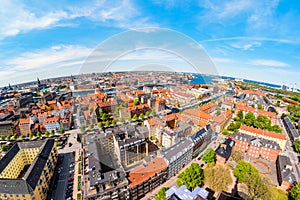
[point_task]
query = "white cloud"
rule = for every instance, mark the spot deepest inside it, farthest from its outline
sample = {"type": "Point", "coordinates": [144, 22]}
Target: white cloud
{"type": "Point", "coordinates": [246, 46]}
{"type": "Point", "coordinates": [256, 13]}
{"type": "Point", "coordinates": [47, 58]}
{"type": "Point", "coordinates": [269, 63]}
{"type": "Point", "coordinates": [16, 17]}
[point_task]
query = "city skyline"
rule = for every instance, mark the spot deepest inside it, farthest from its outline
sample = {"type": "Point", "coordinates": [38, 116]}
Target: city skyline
{"type": "Point", "coordinates": [45, 39]}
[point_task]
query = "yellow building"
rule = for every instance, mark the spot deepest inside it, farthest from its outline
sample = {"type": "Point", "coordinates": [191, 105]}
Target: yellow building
{"type": "Point", "coordinates": [26, 170]}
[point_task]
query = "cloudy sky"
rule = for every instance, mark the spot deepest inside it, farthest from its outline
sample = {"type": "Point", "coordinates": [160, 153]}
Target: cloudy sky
{"type": "Point", "coordinates": [251, 39]}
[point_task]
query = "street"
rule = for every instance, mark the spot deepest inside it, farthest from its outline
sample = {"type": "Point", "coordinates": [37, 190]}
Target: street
{"type": "Point", "coordinates": [289, 152]}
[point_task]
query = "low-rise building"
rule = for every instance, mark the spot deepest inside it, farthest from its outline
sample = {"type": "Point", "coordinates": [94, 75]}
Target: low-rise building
{"type": "Point", "coordinates": [197, 116]}
{"type": "Point", "coordinates": [285, 174]}
{"type": "Point", "coordinates": [26, 170]}
{"type": "Point", "coordinates": [224, 151]}
{"type": "Point", "coordinates": [25, 126]}
{"type": "Point", "coordinates": [52, 124]}
{"type": "Point", "coordinates": [290, 129]}
{"type": "Point", "coordinates": [279, 138]}
{"type": "Point", "coordinates": [256, 147]}
{"type": "Point", "coordinates": [177, 156]}
{"type": "Point", "coordinates": [7, 128]}
{"type": "Point", "coordinates": [146, 177]}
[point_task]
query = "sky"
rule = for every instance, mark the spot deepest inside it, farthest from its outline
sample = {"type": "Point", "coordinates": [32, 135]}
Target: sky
{"type": "Point", "coordinates": [250, 39]}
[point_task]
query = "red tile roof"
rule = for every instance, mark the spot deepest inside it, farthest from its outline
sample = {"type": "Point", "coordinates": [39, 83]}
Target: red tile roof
{"type": "Point", "coordinates": [263, 132]}
{"type": "Point", "coordinates": [143, 173]}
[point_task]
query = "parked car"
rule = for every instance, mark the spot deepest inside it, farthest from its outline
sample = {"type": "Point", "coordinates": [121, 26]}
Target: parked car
{"type": "Point", "coordinates": [70, 179]}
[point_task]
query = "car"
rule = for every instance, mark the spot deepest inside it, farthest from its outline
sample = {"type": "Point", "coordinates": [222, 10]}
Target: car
{"type": "Point", "coordinates": [70, 183]}
{"type": "Point", "coordinates": [71, 165]}
{"type": "Point", "coordinates": [70, 179]}
{"type": "Point", "coordinates": [71, 171]}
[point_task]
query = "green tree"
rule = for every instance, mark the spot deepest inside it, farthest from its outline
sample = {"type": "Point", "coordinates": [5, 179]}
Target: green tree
{"type": "Point", "coordinates": [30, 135]}
{"type": "Point", "coordinates": [209, 156]}
{"type": "Point", "coordinates": [4, 147]}
{"type": "Point", "coordinates": [249, 119]}
{"type": "Point", "coordinates": [22, 137]}
{"type": "Point", "coordinates": [295, 191]}
{"type": "Point", "coordinates": [259, 106]}
{"type": "Point", "coordinates": [136, 102]}
{"type": "Point", "coordinates": [234, 126]}
{"type": "Point", "coordinates": [262, 122]}
{"type": "Point", "coordinates": [114, 122]}
{"type": "Point", "coordinates": [217, 177]}
{"type": "Point", "coordinates": [276, 129]}
{"type": "Point", "coordinates": [277, 103]}
{"type": "Point", "coordinates": [141, 116]}
{"type": "Point", "coordinates": [135, 117]}
{"type": "Point", "coordinates": [100, 125]}
{"type": "Point", "coordinates": [61, 131]}
{"type": "Point", "coordinates": [52, 133]}
{"type": "Point", "coordinates": [226, 132]}
{"type": "Point", "coordinates": [161, 194]}
{"type": "Point", "coordinates": [82, 128]}
{"type": "Point", "coordinates": [105, 117]}
{"type": "Point", "coordinates": [39, 134]}
{"type": "Point", "coordinates": [240, 114]}
{"type": "Point", "coordinates": [191, 177]}
{"type": "Point", "coordinates": [8, 137]}
{"type": "Point", "coordinates": [15, 136]}
{"type": "Point", "coordinates": [147, 114]}
{"type": "Point", "coordinates": [2, 138]}
{"type": "Point", "coordinates": [91, 126]}
{"type": "Point", "coordinates": [297, 145]}
{"type": "Point", "coordinates": [122, 120]}
{"type": "Point", "coordinates": [129, 118]}
{"type": "Point", "coordinates": [47, 133]}
{"type": "Point", "coordinates": [243, 169]}
{"type": "Point", "coordinates": [107, 123]}
{"type": "Point", "coordinates": [153, 112]}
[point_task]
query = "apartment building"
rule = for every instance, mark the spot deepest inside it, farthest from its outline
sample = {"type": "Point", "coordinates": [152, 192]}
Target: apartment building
{"type": "Point", "coordinates": [177, 156]}
{"type": "Point", "coordinates": [26, 170]}
{"type": "Point", "coordinates": [146, 177]}
{"type": "Point", "coordinates": [256, 147]}
{"type": "Point", "coordinates": [223, 152]}
{"type": "Point", "coordinates": [290, 129]}
{"type": "Point", "coordinates": [279, 138]}
{"type": "Point", "coordinates": [285, 174]}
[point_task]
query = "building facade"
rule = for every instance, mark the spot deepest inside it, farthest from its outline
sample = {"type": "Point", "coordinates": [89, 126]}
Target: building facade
{"type": "Point", "coordinates": [177, 156]}
{"type": "Point", "coordinates": [26, 170]}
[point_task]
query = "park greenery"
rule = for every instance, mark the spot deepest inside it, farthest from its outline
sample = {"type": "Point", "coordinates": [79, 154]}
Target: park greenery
{"type": "Point", "coordinates": [209, 156]}
{"type": "Point", "coordinates": [297, 145]}
{"type": "Point", "coordinates": [161, 194]}
{"type": "Point", "coordinates": [295, 191]}
{"type": "Point", "coordinates": [250, 176]}
{"type": "Point", "coordinates": [217, 177]}
{"type": "Point", "coordinates": [4, 147]}
{"type": "Point", "coordinates": [191, 177]}
{"type": "Point", "coordinates": [261, 122]}
{"type": "Point", "coordinates": [136, 102]}
{"type": "Point", "coordinates": [294, 113]}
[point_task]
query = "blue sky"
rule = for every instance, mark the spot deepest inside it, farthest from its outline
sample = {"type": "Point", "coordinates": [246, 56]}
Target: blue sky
{"type": "Point", "coordinates": [251, 39]}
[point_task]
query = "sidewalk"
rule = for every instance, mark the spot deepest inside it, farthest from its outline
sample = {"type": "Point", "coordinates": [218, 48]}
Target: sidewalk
{"type": "Point", "coordinates": [75, 185]}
